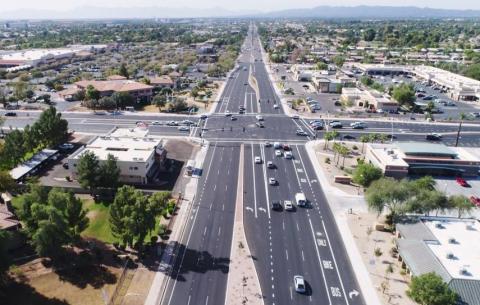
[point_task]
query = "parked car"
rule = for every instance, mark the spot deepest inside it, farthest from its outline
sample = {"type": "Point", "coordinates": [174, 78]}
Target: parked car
{"type": "Point", "coordinates": [433, 137]}
{"type": "Point", "coordinates": [66, 146]}
{"type": "Point", "coordinates": [10, 114]}
{"type": "Point", "coordinates": [462, 182]}
{"type": "Point", "coordinates": [475, 200]}
{"type": "Point", "coordinates": [302, 133]}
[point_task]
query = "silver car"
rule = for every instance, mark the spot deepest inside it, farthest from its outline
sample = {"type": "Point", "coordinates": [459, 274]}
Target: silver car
{"type": "Point", "coordinates": [299, 283]}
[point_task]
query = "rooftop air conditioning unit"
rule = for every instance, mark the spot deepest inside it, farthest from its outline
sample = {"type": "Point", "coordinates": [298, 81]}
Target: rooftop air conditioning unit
{"type": "Point", "coordinates": [438, 225]}
{"type": "Point", "coordinates": [390, 151]}
{"type": "Point", "coordinates": [464, 271]}
{"type": "Point", "coordinates": [452, 240]}
{"type": "Point", "coordinates": [450, 255]}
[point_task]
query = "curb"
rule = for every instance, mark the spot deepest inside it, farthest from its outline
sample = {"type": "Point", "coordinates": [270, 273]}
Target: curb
{"type": "Point", "coordinates": [362, 276]}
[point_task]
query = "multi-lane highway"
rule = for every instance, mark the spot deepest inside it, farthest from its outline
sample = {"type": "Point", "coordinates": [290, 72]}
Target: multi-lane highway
{"type": "Point", "coordinates": [305, 241]}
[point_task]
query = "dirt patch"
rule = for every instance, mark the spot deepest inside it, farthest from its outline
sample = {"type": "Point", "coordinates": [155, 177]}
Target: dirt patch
{"type": "Point", "coordinates": [390, 282]}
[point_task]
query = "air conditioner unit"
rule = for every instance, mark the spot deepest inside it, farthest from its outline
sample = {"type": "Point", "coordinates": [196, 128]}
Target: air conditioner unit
{"type": "Point", "coordinates": [452, 240]}
{"type": "Point", "coordinates": [464, 271]}
{"type": "Point", "coordinates": [450, 255]}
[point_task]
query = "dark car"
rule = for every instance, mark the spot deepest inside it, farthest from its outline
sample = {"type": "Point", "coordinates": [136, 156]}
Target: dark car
{"type": "Point", "coordinates": [276, 205]}
{"type": "Point", "coordinates": [348, 137]}
{"type": "Point", "coordinates": [10, 114]}
{"type": "Point", "coordinates": [433, 137]}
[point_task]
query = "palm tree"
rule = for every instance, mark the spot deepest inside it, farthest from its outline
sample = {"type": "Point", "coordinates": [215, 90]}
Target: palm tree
{"type": "Point", "coordinates": [373, 137]}
{"type": "Point", "coordinates": [327, 136]}
{"type": "Point", "coordinates": [336, 152]}
{"type": "Point", "coordinates": [364, 138]}
{"type": "Point", "coordinates": [344, 151]}
{"type": "Point", "coordinates": [463, 116]}
{"type": "Point", "coordinates": [382, 138]}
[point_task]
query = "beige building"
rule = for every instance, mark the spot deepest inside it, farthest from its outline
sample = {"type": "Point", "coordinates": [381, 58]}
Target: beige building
{"type": "Point", "coordinates": [370, 100]}
{"type": "Point", "coordinates": [139, 91]}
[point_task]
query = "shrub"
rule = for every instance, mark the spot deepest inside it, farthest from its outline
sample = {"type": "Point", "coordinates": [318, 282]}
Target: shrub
{"type": "Point", "coordinates": [378, 252]}
{"type": "Point", "coordinates": [327, 160]}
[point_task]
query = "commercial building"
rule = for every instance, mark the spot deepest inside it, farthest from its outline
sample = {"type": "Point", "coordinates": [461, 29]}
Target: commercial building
{"type": "Point", "coordinates": [445, 246]}
{"type": "Point", "coordinates": [418, 158]}
{"type": "Point", "coordinates": [36, 57]}
{"type": "Point", "coordinates": [138, 159]}
{"type": "Point", "coordinates": [371, 100]}
{"type": "Point", "coordinates": [138, 91]}
{"type": "Point", "coordinates": [458, 87]}
{"type": "Point", "coordinates": [325, 82]}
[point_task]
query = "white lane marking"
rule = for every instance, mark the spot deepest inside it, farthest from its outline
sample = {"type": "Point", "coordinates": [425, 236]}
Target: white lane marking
{"type": "Point", "coordinates": [191, 228]}
{"type": "Point", "coordinates": [254, 184]}
{"type": "Point", "coordinates": [334, 261]}
{"type": "Point", "coordinates": [320, 263]}
{"type": "Point", "coordinates": [303, 256]}
{"type": "Point", "coordinates": [189, 297]}
{"type": "Point", "coordinates": [205, 231]}
{"type": "Point", "coordinates": [286, 254]}
{"type": "Point", "coordinates": [206, 301]}
{"type": "Point", "coordinates": [219, 231]}
{"type": "Point", "coordinates": [262, 150]}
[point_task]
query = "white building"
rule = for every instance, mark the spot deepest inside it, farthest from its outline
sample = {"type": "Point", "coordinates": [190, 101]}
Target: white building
{"type": "Point", "coordinates": [137, 158]}
{"type": "Point", "coordinates": [371, 100]}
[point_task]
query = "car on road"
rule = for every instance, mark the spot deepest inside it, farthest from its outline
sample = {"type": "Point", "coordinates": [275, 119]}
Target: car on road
{"type": "Point", "coordinates": [156, 123]}
{"type": "Point", "coordinates": [259, 124]}
{"type": "Point", "coordinates": [65, 165]}
{"type": "Point", "coordinates": [275, 106]}
{"type": "Point", "coordinates": [276, 205]}
{"type": "Point", "coordinates": [270, 165]}
{"type": "Point", "coordinates": [462, 182]}
{"type": "Point", "coordinates": [232, 118]}
{"type": "Point", "coordinates": [301, 132]}
{"type": "Point", "coordinates": [227, 113]}
{"type": "Point", "coordinates": [10, 114]}
{"type": "Point", "coordinates": [358, 125]}
{"type": "Point", "coordinates": [295, 116]}
{"type": "Point", "coordinates": [268, 144]}
{"type": "Point", "coordinates": [259, 118]}
{"type": "Point", "coordinates": [277, 145]}
{"type": "Point", "coordinates": [288, 205]}
{"type": "Point", "coordinates": [299, 283]}
{"type": "Point", "coordinates": [203, 117]}
{"type": "Point", "coordinates": [278, 153]}
{"type": "Point", "coordinates": [288, 155]}
{"type": "Point", "coordinates": [183, 128]}
{"type": "Point", "coordinates": [258, 160]}
{"type": "Point", "coordinates": [272, 181]}
{"type": "Point", "coordinates": [172, 123]}
{"type": "Point", "coordinates": [285, 147]}
{"type": "Point", "coordinates": [433, 137]}
{"type": "Point", "coordinates": [336, 124]}
{"type": "Point", "coordinates": [391, 136]}
{"type": "Point", "coordinates": [348, 137]}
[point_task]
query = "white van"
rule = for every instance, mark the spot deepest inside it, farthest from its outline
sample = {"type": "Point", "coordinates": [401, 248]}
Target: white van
{"type": "Point", "coordinates": [300, 199]}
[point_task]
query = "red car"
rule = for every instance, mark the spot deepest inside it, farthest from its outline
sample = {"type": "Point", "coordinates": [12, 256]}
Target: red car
{"type": "Point", "coordinates": [462, 182]}
{"type": "Point", "coordinates": [286, 147]}
{"type": "Point", "coordinates": [475, 200]}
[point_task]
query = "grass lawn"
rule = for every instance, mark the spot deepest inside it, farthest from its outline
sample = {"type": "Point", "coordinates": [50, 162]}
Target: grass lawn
{"type": "Point", "coordinates": [98, 227]}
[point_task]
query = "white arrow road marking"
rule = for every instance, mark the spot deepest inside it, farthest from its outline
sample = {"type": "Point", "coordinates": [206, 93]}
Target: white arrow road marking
{"type": "Point", "coordinates": [353, 293]}
{"type": "Point", "coordinates": [249, 209]}
{"type": "Point", "coordinates": [263, 210]}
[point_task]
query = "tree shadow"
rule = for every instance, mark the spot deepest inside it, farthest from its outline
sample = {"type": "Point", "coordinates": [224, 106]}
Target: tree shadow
{"type": "Point", "coordinates": [83, 269]}
{"type": "Point", "coordinates": [21, 293]}
{"type": "Point", "coordinates": [190, 260]}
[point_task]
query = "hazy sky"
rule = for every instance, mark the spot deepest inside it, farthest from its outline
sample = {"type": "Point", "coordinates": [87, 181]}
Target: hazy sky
{"type": "Point", "coordinates": [264, 5]}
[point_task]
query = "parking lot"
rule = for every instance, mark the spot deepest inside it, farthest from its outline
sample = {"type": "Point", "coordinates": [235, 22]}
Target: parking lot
{"type": "Point", "coordinates": [453, 111]}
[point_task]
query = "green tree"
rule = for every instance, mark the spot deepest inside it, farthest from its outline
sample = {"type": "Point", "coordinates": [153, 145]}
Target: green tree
{"type": "Point", "coordinates": [387, 193]}
{"type": "Point", "coordinates": [20, 90]}
{"type": "Point", "coordinates": [122, 99]}
{"type": "Point", "coordinates": [6, 181]}
{"type": "Point", "coordinates": [321, 65]}
{"type": "Point", "coordinates": [88, 167]}
{"type": "Point", "coordinates": [123, 71]}
{"type": "Point", "coordinates": [364, 139]}
{"type": "Point", "coordinates": [404, 94]}
{"type": "Point", "coordinates": [339, 60]}
{"type": "Point", "coordinates": [92, 94]}
{"type": "Point", "coordinates": [366, 173]}
{"type": "Point", "coordinates": [132, 216]}
{"type": "Point", "coordinates": [160, 101]}
{"type": "Point", "coordinates": [430, 289]}
{"type": "Point", "coordinates": [13, 149]}
{"type": "Point", "coordinates": [52, 129]}
{"type": "Point", "coordinates": [424, 201]}
{"type": "Point", "coordinates": [108, 173]}
{"type": "Point", "coordinates": [159, 202]}
{"type": "Point", "coordinates": [461, 203]}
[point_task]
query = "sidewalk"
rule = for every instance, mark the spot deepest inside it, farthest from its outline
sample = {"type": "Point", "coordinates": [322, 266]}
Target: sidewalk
{"type": "Point", "coordinates": [340, 202]}
{"type": "Point", "coordinates": [158, 286]}
{"type": "Point", "coordinates": [243, 286]}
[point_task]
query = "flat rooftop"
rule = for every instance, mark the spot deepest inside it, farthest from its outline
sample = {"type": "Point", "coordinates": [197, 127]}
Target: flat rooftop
{"type": "Point", "coordinates": [465, 253]}
{"type": "Point", "coordinates": [123, 148]}
{"type": "Point", "coordinates": [426, 149]}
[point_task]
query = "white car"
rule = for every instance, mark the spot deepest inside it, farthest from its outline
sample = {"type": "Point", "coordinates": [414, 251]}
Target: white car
{"type": "Point", "coordinates": [288, 205]}
{"type": "Point", "coordinates": [270, 165]}
{"type": "Point", "coordinates": [275, 106]}
{"type": "Point", "coordinates": [278, 153]}
{"type": "Point", "coordinates": [272, 181]}
{"type": "Point", "coordinates": [183, 128]}
{"type": "Point", "coordinates": [288, 155]}
{"type": "Point", "coordinates": [259, 118]}
{"type": "Point", "coordinates": [299, 283]}
{"type": "Point", "coordinates": [258, 160]}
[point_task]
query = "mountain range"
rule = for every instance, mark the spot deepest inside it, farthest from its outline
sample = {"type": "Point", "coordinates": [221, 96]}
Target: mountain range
{"type": "Point", "coordinates": [358, 12]}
